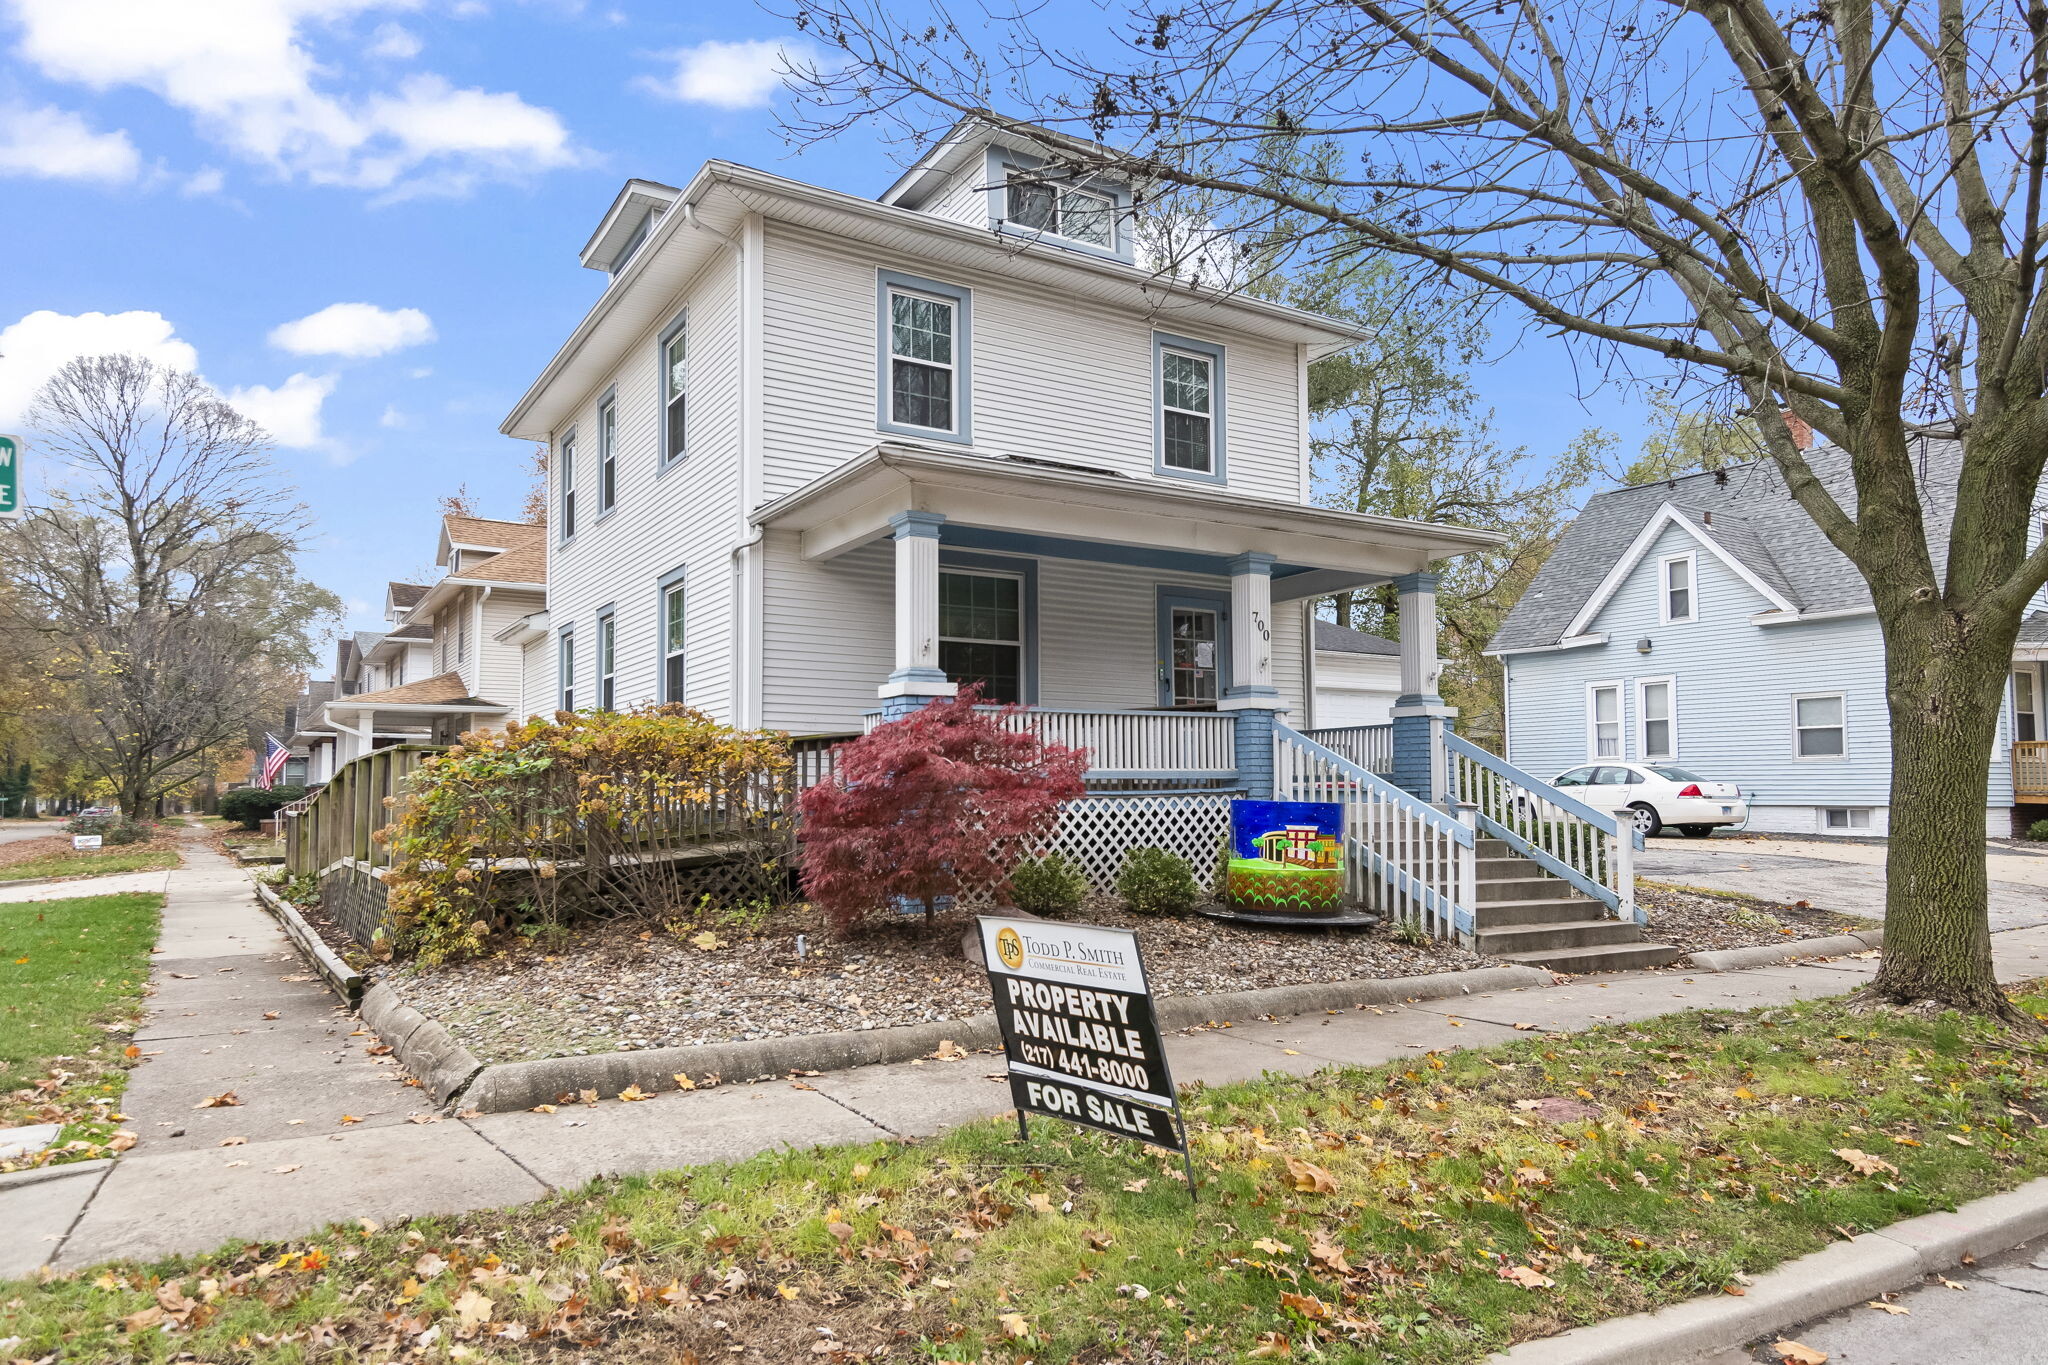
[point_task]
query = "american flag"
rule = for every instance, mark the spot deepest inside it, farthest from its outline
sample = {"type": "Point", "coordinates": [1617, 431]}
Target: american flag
{"type": "Point", "coordinates": [274, 758]}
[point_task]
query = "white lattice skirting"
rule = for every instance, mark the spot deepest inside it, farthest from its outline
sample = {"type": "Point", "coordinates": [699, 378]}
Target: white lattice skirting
{"type": "Point", "coordinates": [1098, 831]}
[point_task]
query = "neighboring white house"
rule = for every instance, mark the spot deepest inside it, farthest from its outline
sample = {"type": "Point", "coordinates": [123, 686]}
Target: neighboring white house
{"type": "Point", "coordinates": [452, 659]}
{"type": "Point", "coordinates": [1706, 622]}
{"type": "Point", "coordinates": [815, 456]}
{"type": "Point", "coordinates": [1357, 677]}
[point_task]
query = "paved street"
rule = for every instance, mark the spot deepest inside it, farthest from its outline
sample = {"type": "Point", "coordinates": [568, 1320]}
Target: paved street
{"type": "Point", "coordinates": [1998, 1317]}
{"type": "Point", "coordinates": [1835, 875]}
{"type": "Point", "coordinates": [326, 1130]}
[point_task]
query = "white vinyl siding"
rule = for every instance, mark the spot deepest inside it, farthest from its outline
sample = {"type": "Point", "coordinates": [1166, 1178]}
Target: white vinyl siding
{"type": "Point", "coordinates": [1046, 368]}
{"type": "Point", "coordinates": [1097, 638]}
{"type": "Point", "coordinates": [499, 671]}
{"type": "Point", "coordinates": [691, 504]}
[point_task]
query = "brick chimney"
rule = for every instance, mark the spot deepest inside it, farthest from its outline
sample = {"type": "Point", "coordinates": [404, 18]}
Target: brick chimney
{"type": "Point", "coordinates": [1802, 434]}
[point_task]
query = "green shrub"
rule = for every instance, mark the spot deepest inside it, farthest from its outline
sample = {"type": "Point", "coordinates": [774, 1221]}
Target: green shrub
{"type": "Point", "coordinates": [2038, 830]}
{"type": "Point", "coordinates": [251, 806]}
{"type": "Point", "coordinates": [111, 828]}
{"type": "Point", "coordinates": [1050, 886]}
{"type": "Point", "coordinates": [1155, 882]}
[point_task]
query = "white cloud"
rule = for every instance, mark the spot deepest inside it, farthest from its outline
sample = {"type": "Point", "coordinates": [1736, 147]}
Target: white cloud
{"type": "Point", "coordinates": [394, 43]}
{"type": "Point", "coordinates": [740, 75]}
{"type": "Point", "coordinates": [59, 145]}
{"type": "Point", "coordinates": [204, 181]}
{"type": "Point", "coordinates": [392, 417]}
{"type": "Point", "coordinates": [290, 412]}
{"type": "Point", "coordinates": [355, 330]}
{"type": "Point", "coordinates": [39, 345]}
{"type": "Point", "coordinates": [246, 72]}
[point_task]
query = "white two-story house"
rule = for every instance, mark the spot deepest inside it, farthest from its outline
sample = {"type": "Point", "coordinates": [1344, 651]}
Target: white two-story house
{"type": "Point", "coordinates": [816, 458]}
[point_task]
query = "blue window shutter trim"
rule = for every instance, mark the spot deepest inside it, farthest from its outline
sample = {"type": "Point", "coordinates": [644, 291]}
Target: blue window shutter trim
{"type": "Point", "coordinates": [1219, 414]}
{"type": "Point", "coordinates": [963, 356]}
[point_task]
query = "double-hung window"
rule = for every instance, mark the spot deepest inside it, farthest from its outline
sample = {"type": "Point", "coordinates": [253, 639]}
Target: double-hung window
{"type": "Point", "coordinates": [565, 668]}
{"type": "Point", "coordinates": [1070, 211]}
{"type": "Point", "coordinates": [673, 674]}
{"type": "Point", "coordinates": [1603, 720]}
{"type": "Point", "coordinates": [1189, 387]}
{"type": "Point", "coordinates": [2026, 725]}
{"type": "Point", "coordinates": [1657, 717]}
{"type": "Point", "coordinates": [675, 389]}
{"type": "Point", "coordinates": [607, 455]}
{"type": "Point", "coordinates": [1820, 726]}
{"type": "Point", "coordinates": [924, 358]}
{"type": "Point", "coordinates": [981, 632]}
{"type": "Point", "coordinates": [565, 456]}
{"type": "Point", "coordinates": [462, 634]}
{"type": "Point", "coordinates": [607, 639]}
{"type": "Point", "coordinates": [1679, 589]}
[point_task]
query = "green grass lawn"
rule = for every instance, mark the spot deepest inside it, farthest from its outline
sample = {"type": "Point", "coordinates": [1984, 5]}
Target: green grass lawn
{"type": "Point", "coordinates": [1431, 1210]}
{"type": "Point", "coordinates": [69, 969]}
{"type": "Point", "coordinates": [91, 862]}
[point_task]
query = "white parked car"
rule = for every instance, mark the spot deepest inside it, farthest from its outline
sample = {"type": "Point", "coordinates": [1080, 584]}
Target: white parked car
{"type": "Point", "coordinates": [1659, 794]}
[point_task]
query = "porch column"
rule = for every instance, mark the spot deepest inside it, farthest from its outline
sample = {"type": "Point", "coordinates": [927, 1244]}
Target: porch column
{"type": "Point", "coordinates": [917, 677]}
{"type": "Point", "coordinates": [1419, 713]}
{"type": "Point", "coordinates": [1252, 696]}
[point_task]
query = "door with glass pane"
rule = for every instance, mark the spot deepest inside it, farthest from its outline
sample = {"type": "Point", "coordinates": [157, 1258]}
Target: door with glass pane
{"type": "Point", "coordinates": [1194, 650]}
{"type": "Point", "coordinates": [981, 632]}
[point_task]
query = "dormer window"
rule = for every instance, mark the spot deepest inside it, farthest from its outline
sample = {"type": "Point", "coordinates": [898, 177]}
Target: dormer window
{"type": "Point", "coordinates": [1068, 211]}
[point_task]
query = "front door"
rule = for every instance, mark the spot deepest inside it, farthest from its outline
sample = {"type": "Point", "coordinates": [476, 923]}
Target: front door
{"type": "Point", "coordinates": [1194, 648]}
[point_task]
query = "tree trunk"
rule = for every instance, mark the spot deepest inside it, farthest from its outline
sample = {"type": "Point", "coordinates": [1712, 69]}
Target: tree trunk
{"type": "Point", "coordinates": [1946, 678]}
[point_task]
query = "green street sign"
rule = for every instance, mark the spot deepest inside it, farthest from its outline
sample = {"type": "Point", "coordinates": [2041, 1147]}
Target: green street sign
{"type": "Point", "coordinates": [10, 477]}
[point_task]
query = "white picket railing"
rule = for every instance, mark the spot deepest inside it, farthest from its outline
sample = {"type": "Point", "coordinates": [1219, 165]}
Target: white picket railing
{"type": "Point", "coordinates": [1592, 849]}
{"type": "Point", "coordinates": [1191, 744]}
{"type": "Point", "coordinates": [1371, 747]}
{"type": "Point", "coordinates": [1414, 863]}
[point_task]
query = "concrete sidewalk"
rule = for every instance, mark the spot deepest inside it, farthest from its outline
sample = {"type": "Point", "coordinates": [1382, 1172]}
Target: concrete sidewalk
{"type": "Point", "coordinates": [332, 1132]}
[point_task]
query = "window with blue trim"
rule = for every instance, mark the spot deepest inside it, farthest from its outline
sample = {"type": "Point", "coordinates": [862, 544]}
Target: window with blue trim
{"type": "Point", "coordinates": [674, 671]}
{"type": "Point", "coordinates": [607, 455]}
{"type": "Point", "coordinates": [1186, 411]}
{"type": "Point", "coordinates": [1079, 215]}
{"type": "Point", "coordinates": [981, 632]}
{"type": "Point", "coordinates": [923, 357]}
{"type": "Point", "coordinates": [675, 389]}
{"type": "Point", "coordinates": [565, 456]}
{"type": "Point", "coordinates": [565, 668]}
{"type": "Point", "coordinates": [607, 640]}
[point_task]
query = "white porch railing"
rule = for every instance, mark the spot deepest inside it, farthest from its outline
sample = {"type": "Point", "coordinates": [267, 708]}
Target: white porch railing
{"type": "Point", "coordinates": [1592, 849]}
{"type": "Point", "coordinates": [1413, 862]}
{"type": "Point", "coordinates": [1136, 744]}
{"type": "Point", "coordinates": [1371, 747]}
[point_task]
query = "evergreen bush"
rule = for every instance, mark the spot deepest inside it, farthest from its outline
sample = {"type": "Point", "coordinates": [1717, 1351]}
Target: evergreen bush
{"type": "Point", "coordinates": [1051, 886]}
{"type": "Point", "coordinates": [1155, 882]}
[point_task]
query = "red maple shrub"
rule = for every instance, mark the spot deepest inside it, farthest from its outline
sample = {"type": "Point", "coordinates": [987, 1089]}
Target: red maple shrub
{"type": "Point", "coordinates": [943, 802]}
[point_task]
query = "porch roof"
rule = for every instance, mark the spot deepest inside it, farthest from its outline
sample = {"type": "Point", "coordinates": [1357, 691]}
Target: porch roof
{"type": "Point", "coordinates": [999, 503]}
{"type": "Point", "coordinates": [439, 695]}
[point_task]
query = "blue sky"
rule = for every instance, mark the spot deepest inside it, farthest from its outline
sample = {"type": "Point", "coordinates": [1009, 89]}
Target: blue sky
{"type": "Point", "coordinates": [206, 180]}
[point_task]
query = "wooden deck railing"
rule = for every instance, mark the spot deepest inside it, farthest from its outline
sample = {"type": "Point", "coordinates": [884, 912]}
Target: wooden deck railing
{"type": "Point", "coordinates": [2030, 769]}
{"type": "Point", "coordinates": [342, 818]}
{"type": "Point", "coordinates": [1192, 745]}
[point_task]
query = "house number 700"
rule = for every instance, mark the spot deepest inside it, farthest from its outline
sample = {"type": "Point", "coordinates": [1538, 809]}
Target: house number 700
{"type": "Point", "coordinates": [1259, 624]}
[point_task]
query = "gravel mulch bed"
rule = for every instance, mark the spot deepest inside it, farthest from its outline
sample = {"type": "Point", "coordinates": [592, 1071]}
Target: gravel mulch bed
{"type": "Point", "coordinates": [624, 986]}
{"type": "Point", "coordinates": [1700, 921]}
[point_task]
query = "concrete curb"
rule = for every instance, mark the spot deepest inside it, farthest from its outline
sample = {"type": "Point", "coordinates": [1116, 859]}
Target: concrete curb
{"type": "Point", "coordinates": [510, 1086]}
{"type": "Point", "coordinates": [1735, 959]}
{"type": "Point", "coordinates": [1837, 1277]}
{"type": "Point", "coordinates": [423, 1047]}
{"type": "Point", "coordinates": [27, 881]}
{"type": "Point", "coordinates": [36, 1175]}
{"type": "Point", "coordinates": [346, 980]}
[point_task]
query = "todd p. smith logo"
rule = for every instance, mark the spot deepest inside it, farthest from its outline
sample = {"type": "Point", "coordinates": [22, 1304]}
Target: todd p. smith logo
{"type": "Point", "coordinates": [1010, 948]}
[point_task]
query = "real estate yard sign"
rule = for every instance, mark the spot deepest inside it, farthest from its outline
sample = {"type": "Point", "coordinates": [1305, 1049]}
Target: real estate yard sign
{"type": "Point", "coordinates": [10, 478]}
{"type": "Point", "coordinates": [1078, 1028]}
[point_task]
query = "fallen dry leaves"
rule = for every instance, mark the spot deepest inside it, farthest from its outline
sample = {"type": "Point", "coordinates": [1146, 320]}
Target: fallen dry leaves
{"type": "Point", "coordinates": [1793, 1353]}
{"type": "Point", "coordinates": [1309, 1178]}
{"type": "Point", "coordinates": [224, 1100]}
{"type": "Point", "coordinates": [1863, 1163]}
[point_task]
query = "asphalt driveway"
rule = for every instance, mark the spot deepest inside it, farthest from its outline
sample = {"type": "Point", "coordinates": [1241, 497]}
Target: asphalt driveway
{"type": "Point", "coordinates": [1847, 875]}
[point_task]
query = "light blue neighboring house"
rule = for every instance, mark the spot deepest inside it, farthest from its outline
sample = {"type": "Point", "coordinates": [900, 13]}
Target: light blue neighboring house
{"type": "Point", "coordinates": [1705, 622]}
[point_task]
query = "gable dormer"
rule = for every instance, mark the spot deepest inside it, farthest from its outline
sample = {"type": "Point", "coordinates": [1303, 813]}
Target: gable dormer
{"type": "Point", "coordinates": [1034, 183]}
{"type": "Point", "coordinates": [625, 225]}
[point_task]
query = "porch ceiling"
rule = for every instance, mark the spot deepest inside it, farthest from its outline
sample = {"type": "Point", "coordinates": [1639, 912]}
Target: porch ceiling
{"type": "Point", "coordinates": [994, 503]}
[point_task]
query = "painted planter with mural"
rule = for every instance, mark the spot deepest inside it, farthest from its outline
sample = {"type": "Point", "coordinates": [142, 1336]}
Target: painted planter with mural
{"type": "Point", "coordinates": [1286, 858]}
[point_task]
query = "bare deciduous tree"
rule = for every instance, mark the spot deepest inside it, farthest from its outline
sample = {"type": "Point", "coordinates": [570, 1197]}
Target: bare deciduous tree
{"type": "Point", "coordinates": [1832, 211]}
{"type": "Point", "coordinates": [157, 589]}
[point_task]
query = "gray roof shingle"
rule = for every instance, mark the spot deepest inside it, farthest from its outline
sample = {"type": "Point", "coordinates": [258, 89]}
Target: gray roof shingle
{"type": "Point", "coordinates": [1747, 511]}
{"type": "Point", "coordinates": [1344, 640]}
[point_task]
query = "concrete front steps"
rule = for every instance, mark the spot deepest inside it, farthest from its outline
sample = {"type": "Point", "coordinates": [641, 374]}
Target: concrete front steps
{"type": "Point", "coordinates": [1527, 915]}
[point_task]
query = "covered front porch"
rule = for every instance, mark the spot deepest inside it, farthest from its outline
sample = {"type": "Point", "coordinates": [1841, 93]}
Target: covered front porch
{"type": "Point", "coordinates": [1162, 627]}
